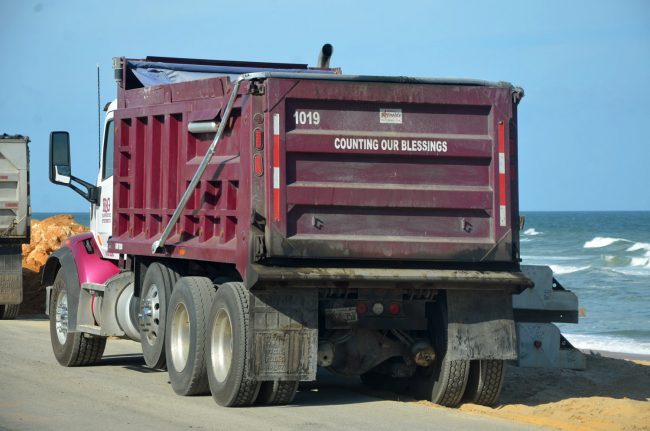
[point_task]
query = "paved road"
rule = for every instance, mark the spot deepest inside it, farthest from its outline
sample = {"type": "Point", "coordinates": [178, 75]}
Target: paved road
{"type": "Point", "coordinates": [120, 393]}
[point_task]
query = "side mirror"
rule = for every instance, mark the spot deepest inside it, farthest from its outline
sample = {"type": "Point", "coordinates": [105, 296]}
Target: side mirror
{"type": "Point", "coordinates": [60, 171]}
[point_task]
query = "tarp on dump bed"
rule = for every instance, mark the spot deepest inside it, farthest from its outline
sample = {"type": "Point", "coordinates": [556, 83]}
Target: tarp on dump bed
{"type": "Point", "coordinates": [151, 73]}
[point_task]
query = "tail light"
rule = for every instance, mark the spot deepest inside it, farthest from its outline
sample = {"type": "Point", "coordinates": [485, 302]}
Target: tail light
{"type": "Point", "coordinates": [258, 165]}
{"type": "Point", "coordinates": [259, 140]}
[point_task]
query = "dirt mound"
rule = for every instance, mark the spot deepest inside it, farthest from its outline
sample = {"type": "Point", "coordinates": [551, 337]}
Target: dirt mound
{"type": "Point", "coordinates": [611, 394]}
{"type": "Point", "coordinates": [47, 237]}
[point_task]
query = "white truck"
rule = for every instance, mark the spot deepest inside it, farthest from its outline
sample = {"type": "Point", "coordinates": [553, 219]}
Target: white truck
{"type": "Point", "coordinates": [15, 213]}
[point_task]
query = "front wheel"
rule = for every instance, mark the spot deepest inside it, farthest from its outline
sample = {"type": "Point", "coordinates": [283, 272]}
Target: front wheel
{"type": "Point", "coordinates": [71, 349]}
{"type": "Point", "coordinates": [228, 346]}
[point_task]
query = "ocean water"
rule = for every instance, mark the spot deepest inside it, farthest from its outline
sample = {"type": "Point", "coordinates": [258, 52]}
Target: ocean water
{"type": "Point", "coordinates": [603, 257]}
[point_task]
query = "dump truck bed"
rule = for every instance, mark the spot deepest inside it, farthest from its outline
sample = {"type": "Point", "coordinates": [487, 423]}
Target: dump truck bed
{"type": "Point", "coordinates": [316, 167]}
{"type": "Point", "coordinates": [392, 171]}
{"type": "Point", "coordinates": [14, 189]}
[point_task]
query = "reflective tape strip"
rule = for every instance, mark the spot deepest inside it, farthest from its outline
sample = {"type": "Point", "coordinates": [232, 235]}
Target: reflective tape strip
{"type": "Point", "coordinates": [502, 174]}
{"type": "Point", "coordinates": [276, 178]}
{"type": "Point", "coordinates": [276, 167]}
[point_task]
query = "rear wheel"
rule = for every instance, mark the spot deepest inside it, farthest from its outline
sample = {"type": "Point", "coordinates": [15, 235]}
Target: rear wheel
{"type": "Point", "coordinates": [229, 354]}
{"type": "Point", "coordinates": [443, 382]}
{"type": "Point", "coordinates": [71, 349]}
{"type": "Point", "coordinates": [189, 310]}
{"type": "Point", "coordinates": [156, 290]}
{"type": "Point", "coordinates": [485, 381]}
{"type": "Point", "coordinates": [277, 393]}
{"type": "Point", "coordinates": [9, 311]}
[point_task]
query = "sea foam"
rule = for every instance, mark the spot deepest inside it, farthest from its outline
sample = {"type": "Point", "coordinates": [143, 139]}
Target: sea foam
{"type": "Point", "coordinates": [565, 269]}
{"type": "Point", "coordinates": [640, 246]}
{"type": "Point", "coordinates": [601, 241]}
{"type": "Point", "coordinates": [608, 343]}
{"type": "Point", "coordinates": [640, 261]}
{"type": "Point", "coordinates": [531, 232]}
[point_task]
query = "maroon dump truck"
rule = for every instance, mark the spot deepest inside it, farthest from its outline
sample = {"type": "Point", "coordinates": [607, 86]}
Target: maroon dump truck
{"type": "Point", "coordinates": [252, 222]}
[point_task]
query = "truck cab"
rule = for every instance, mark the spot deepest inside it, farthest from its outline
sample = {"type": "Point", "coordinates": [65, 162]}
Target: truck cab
{"type": "Point", "coordinates": [101, 214]}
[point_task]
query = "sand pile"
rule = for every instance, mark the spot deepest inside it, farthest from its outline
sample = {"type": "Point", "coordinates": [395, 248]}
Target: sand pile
{"type": "Point", "coordinates": [47, 237]}
{"type": "Point", "coordinates": [611, 394]}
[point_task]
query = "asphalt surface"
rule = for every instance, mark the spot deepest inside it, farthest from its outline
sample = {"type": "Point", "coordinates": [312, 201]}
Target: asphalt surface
{"type": "Point", "coordinates": [36, 393]}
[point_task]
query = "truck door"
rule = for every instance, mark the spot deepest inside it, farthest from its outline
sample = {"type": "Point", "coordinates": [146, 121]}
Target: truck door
{"type": "Point", "coordinates": [101, 223]}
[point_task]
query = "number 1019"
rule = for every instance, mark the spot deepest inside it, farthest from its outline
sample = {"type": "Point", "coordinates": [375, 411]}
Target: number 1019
{"type": "Point", "coordinates": [307, 117]}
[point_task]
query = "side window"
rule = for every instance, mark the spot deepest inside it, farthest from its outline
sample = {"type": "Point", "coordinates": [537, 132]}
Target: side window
{"type": "Point", "coordinates": [108, 152]}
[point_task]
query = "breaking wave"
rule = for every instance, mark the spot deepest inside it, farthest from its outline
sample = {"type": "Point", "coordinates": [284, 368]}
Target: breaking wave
{"type": "Point", "coordinates": [601, 241]}
{"type": "Point", "coordinates": [566, 269]}
{"type": "Point", "coordinates": [640, 246]}
{"type": "Point", "coordinates": [609, 343]}
{"type": "Point", "coordinates": [531, 232]}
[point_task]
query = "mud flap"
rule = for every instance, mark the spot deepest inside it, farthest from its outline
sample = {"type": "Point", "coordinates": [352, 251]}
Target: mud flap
{"type": "Point", "coordinates": [11, 275]}
{"type": "Point", "coordinates": [284, 341]}
{"type": "Point", "coordinates": [480, 325]}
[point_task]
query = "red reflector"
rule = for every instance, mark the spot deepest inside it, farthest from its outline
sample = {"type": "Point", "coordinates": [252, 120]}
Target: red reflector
{"type": "Point", "coordinates": [362, 308]}
{"type": "Point", "coordinates": [11, 205]}
{"type": "Point", "coordinates": [259, 141]}
{"type": "Point", "coordinates": [394, 308]}
{"type": "Point", "coordinates": [258, 165]}
{"type": "Point", "coordinates": [4, 177]}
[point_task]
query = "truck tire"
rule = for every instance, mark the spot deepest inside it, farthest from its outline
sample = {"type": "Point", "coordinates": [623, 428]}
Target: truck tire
{"type": "Point", "coordinates": [156, 290]}
{"type": "Point", "coordinates": [189, 310]}
{"type": "Point", "coordinates": [71, 349]}
{"type": "Point", "coordinates": [228, 346]}
{"type": "Point", "coordinates": [443, 382]}
{"type": "Point", "coordinates": [9, 311]}
{"type": "Point", "coordinates": [277, 393]}
{"type": "Point", "coordinates": [485, 381]}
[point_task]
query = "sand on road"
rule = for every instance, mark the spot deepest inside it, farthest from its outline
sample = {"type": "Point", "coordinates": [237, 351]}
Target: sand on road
{"type": "Point", "coordinates": [120, 393]}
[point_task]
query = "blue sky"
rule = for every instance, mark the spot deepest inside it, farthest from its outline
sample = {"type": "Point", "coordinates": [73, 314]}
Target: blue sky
{"type": "Point", "coordinates": [584, 124]}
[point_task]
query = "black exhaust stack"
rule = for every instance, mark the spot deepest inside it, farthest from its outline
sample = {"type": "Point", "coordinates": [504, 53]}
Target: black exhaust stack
{"type": "Point", "coordinates": [325, 55]}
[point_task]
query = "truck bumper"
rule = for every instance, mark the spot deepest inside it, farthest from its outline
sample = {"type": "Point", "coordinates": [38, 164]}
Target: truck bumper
{"type": "Point", "coordinates": [367, 277]}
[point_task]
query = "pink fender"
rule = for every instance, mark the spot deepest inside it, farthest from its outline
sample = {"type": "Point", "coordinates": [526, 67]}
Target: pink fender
{"type": "Point", "coordinates": [91, 267]}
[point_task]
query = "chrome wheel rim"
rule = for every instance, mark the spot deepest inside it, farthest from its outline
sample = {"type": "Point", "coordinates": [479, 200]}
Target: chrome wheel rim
{"type": "Point", "coordinates": [180, 337]}
{"type": "Point", "coordinates": [151, 314]}
{"type": "Point", "coordinates": [61, 316]}
{"type": "Point", "coordinates": [221, 345]}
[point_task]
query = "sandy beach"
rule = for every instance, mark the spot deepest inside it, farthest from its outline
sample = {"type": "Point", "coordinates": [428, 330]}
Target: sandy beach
{"type": "Point", "coordinates": [613, 393]}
